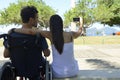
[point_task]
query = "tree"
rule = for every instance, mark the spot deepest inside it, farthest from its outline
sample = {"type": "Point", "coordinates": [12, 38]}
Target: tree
{"type": "Point", "coordinates": [115, 10]}
{"type": "Point", "coordinates": [104, 11]}
{"type": "Point", "coordinates": [11, 14]}
{"type": "Point", "coordinates": [107, 12]}
{"type": "Point", "coordinates": [83, 9]}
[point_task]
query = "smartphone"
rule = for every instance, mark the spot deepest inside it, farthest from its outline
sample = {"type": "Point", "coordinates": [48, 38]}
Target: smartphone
{"type": "Point", "coordinates": [76, 19]}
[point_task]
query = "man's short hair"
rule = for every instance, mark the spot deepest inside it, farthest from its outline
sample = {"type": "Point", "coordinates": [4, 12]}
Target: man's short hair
{"type": "Point", "coordinates": [28, 12]}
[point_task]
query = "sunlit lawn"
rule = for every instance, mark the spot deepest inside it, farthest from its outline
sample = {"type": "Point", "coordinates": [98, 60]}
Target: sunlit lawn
{"type": "Point", "coordinates": [91, 40]}
{"type": "Point", "coordinates": [1, 42]}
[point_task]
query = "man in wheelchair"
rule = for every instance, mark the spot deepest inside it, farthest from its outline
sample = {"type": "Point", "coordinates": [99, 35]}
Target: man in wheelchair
{"type": "Point", "coordinates": [24, 50]}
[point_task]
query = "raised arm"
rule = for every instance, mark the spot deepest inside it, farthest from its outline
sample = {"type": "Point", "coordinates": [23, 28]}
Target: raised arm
{"type": "Point", "coordinates": [77, 34]}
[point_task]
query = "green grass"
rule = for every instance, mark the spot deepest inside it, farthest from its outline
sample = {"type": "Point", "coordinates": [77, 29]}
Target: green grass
{"type": "Point", "coordinates": [1, 42]}
{"type": "Point", "coordinates": [91, 40]}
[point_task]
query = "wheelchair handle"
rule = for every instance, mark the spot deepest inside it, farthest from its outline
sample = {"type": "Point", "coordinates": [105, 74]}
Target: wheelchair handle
{"type": "Point", "coordinates": [4, 36]}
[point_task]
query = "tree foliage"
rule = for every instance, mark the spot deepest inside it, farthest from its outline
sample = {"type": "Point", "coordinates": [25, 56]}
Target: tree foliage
{"type": "Point", "coordinates": [11, 14]}
{"type": "Point", "coordinates": [104, 11]}
{"type": "Point", "coordinates": [115, 10]}
{"type": "Point", "coordinates": [82, 9]}
{"type": "Point", "coordinates": [108, 12]}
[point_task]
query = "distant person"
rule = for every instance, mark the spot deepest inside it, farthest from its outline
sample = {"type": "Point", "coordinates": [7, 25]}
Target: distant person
{"type": "Point", "coordinates": [113, 33]}
{"type": "Point", "coordinates": [64, 63]}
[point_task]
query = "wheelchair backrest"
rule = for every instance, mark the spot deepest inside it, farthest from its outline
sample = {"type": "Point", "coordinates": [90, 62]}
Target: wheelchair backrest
{"type": "Point", "coordinates": [25, 53]}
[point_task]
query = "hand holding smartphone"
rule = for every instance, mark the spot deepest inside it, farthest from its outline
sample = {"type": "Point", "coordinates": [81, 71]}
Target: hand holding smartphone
{"type": "Point", "coordinates": [76, 19]}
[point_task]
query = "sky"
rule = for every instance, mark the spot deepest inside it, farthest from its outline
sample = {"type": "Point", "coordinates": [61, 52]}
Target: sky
{"type": "Point", "coordinates": [61, 6]}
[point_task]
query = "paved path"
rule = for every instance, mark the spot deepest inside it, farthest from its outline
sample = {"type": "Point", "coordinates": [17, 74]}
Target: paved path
{"type": "Point", "coordinates": [98, 57]}
{"type": "Point", "coordinates": [96, 62]}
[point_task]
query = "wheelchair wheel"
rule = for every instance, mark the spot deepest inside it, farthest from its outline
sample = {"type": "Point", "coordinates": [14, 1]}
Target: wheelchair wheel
{"type": "Point", "coordinates": [7, 72]}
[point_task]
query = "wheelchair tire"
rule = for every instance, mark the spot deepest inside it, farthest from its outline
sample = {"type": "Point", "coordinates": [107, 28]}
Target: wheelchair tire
{"type": "Point", "coordinates": [6, 71]}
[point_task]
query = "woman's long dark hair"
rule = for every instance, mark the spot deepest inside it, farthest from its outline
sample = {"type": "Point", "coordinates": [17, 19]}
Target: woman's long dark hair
{"type": "Point", "coordinates": [56, 28]}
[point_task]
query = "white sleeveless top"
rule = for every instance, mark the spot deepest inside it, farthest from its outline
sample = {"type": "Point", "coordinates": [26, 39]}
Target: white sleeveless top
{"type": "Point", "coordinates": [64, 65]}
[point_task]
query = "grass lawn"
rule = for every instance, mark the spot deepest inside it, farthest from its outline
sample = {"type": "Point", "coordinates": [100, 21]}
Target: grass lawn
{"type": "Point", "coordinates": [1, 42]}
{"type": "Point", "coordinates": [91, 40]}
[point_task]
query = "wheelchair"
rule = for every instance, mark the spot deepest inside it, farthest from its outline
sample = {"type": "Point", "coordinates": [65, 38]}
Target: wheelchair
{"type": "Point", "coordinates": [8, 69]}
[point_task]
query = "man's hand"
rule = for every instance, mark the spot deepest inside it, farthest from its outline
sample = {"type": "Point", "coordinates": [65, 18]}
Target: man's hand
{"type": "Point", "coordinates": [46, 52]}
